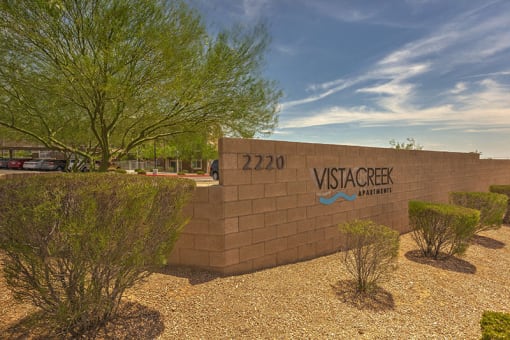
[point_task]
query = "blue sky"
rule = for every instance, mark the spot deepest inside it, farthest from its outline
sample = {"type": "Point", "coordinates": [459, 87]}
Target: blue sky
{"type": "Point", "coordinates": [364, 72]}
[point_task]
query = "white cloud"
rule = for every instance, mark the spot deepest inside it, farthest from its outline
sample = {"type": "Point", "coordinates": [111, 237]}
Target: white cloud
{"type": "Point", "coordinates": [459, 88]}
{"type": "Point", "coordinates": [393, 83]}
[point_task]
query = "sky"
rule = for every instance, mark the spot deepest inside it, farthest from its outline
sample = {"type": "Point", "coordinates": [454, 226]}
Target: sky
{"type": "Point", "coordinates": [364, 72]}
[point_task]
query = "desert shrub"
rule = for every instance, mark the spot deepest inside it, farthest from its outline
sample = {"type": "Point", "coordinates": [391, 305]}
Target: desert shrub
{"type": "Point", "coordinates": [495, 326]}
{"type": "Point", "coordinates": [505, 190]}
{"type": "Point", "coordinates": [442, 229]}
{"type": "Point", "coordinates": [371, 252]}
{"type": "Point", "coordinates": [73, 243]}
{"type": "Point", "coordinates": [492, 207]}
{"type": "Point", "coordinates": [120, 171]}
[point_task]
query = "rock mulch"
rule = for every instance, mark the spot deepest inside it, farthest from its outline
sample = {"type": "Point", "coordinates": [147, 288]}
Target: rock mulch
{"type": "Point", "coordinates": [312, 299]}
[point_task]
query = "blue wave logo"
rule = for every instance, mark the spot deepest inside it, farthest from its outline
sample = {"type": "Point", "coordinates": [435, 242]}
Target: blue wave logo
{"type": "Point", "coordinates": [332, 199]}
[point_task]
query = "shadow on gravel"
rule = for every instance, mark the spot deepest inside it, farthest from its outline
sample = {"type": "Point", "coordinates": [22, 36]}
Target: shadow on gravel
{"type": "Point", "coordinates": [487, 242]}
{"type": "Point", "coordinates": [133, 321]}
{"type": "Point", "coordinates": [194, 276]}
{"type": "Point", "coordinates": [377, 300]}
{"type": "Point", "coordinates": [453, 264]}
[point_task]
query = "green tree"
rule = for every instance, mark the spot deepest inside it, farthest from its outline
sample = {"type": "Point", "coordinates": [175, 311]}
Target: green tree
{"type": "Point", "coordinates": [99, 78]}
{"type": "Point", "coordinates": [410, 145]}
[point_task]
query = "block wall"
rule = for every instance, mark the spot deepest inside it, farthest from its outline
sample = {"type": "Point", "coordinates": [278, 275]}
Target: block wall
{"type": "Point", "coordinates": [267, 210]}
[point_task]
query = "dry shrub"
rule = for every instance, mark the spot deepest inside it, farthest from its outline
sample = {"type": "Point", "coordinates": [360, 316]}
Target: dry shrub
{"type": "Point", "coordinates": [75, 242]}
{"type": "Point", "coordinates": [371, 252]}
{"type": "Point", "coordinates": [442, 229]}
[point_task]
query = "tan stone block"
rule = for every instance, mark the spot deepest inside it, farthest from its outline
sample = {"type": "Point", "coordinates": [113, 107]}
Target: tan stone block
{"type": "Point", "coordinates": [267, 261]}
{"type": "Point", "coordinates": [306, 200]}
{"type": "Point", "coordinates": [306, 251]}
{"type": "Point", "coordinates": [296, 188]}
{"type": "Point", "coordinates": [223, 259]}
{"type": "Point", "coordinates": [210, 242]}
{"type": "Point", "coordinates": [240, 268]}
{"type": "Point", "coordinates": [318, 210]}
{"type": "Point", "coordinates": [228, 161]}
{"type": "Point", "coordinates": [250, 191]}
{"type": "Point", "coordinates": [201, 195]}
{"type": "Point", "coordinates": [193, 257]}
{"type": "Point", "coordinates": [197, 226]}
{"type": "Point", "coordinates": [297, 240]}
{"type": "Point", "coordinates": [296, 214]}
{"type": "Point", "coordinates": [275, 246]}
{"type": "Point", "coordinates": [231, 225]}
{"type": "Point", "coordinates": [251, 222]}
{"type": "Point", "coordinates": [305, 225]}
{"type": "Point", "coordinates": [323, 221]}
{"type": "Point", "coordinates": [275, 189]}
{"type": "Point", "coordinates": [305, 148]}
{"type": "Point", "coordinates": [332, 233]}
{"type": "Point", "coordinates": [275, 218]}
{"type": "Point", "coordinates": [208, 211]}
{"type": "Point", "coordinates": [286, 148]}
{"type": "Point", "coordinates": [230, 193]}
{"type": "Point", "coordinates": [185, 241]}
{"type": "Point", "coordinates": [324, 247]}
{"type": "Point", "coordinates": [251, 252]}
{"type": "Point", "coordinates": [295, 162]}
{"type": "Point", "coordinates": [216, 194]}
{"type": "Point", "coordinates": [217, 227]}
{"type": "Point", "coordinates": [287, 229]}
{"type": "Point", "coordinates": [263, 205]}
{"type": "Point", "coordinates": [237, 208]}
{"type": "Point", "coordinates": [286, 175]}
{"type": "Point", "coordinates": [234, 145]}
{"type": "Point", "coordinates": [264, 147]}
{"type": "Point", "coordinates": [316, 235]}
{"type": "Point", "coordinates": [237, 240]}
{"type": "Point", "coordinates": [174, 257]}
{"type": "Point", "coordinates": [287, 256]}
{"type": "Point", "coordinates": [263, 176]}
{"type": "Point", "coordinates": [286, 202]}
{"type": "Point", "coordinates": [235, 177]}
{"type": "Point", "coordinates": [264, 234]}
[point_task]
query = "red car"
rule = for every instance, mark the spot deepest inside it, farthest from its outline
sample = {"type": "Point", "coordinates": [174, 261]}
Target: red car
{"type": "Point", "coordinates": [17, 163]}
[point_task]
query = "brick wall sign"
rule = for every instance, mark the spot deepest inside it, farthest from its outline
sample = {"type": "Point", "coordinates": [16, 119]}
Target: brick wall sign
{"type": "Point", "coordinates": [281, 202]}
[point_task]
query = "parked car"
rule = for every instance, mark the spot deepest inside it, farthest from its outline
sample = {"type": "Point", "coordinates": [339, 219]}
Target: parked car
{"type": "Point", "coordinates": [3, 163]}
{"type": "Point", "coordinates": [17, 163]}
{"type": "Point", "coordinates": [214, 170]}
{"type": "Point", "coordinates": [79, 164]}
{"type": "Point", "coordinates": [33, 164]}
{"type": "Point", "coordinates": [54, 165]}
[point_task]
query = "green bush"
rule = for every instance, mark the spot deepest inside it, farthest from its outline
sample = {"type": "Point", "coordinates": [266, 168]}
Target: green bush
{"type": "Point", "coordinates": [505, 190]}
{"type": "Point", "coordinates": [75, 242]}
{"type": "Point", "coordinates": [371, 252]}
{"type": "Point", "coordinates": [495, 326]}
{"type": "Point", "coordinates": [492, 207]}
{"type": "Point", "coordinates": [442, 229]}
{"type": "Point", "coordinates": [120, 171]}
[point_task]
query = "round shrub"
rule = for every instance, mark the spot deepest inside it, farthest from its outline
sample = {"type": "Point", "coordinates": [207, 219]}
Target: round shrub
{"type": "Point", "coordinates": [504, 190]}
{"type": "Point", "coordinates": [442, 229]}
{"type": "Point", "coordinates": [495, 326]}
{"type": "Point", "coordinates": [74, 243]}
{"type": "Point", "coordinates": [492, 207]}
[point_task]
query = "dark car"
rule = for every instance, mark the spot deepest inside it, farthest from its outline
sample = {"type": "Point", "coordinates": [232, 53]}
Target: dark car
{"type": "Point", "coordinates": [3, 163]}
{"type": "Point", "coordinates": [214, 170]}
{"type": "Point", "coordinates": [17, 163]}
{"type": "Point", "coordinates": [54, 165]}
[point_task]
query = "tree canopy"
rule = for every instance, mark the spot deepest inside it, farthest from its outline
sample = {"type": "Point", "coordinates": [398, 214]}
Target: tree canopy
{"type": "Point", "coordinates": [101, 77]}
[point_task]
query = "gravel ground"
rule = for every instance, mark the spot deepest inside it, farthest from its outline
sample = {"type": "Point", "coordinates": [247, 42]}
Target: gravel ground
{"type": "Point", "coordinates": [311, 300]}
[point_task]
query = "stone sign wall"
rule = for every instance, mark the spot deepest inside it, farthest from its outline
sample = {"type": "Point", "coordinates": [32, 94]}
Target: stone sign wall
{"type": "Point", "coordinates": [281, 202]}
